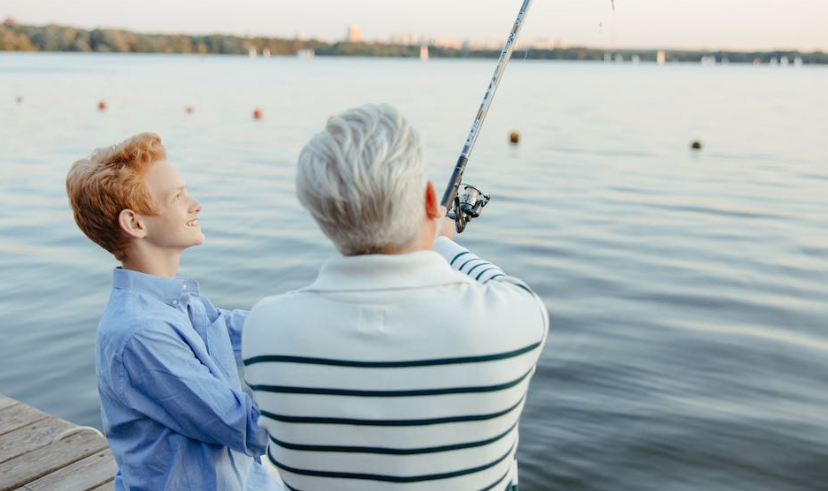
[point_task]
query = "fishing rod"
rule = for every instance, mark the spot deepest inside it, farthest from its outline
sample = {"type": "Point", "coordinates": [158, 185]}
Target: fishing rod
{"type": "Point", "coordinates": [467, 205]}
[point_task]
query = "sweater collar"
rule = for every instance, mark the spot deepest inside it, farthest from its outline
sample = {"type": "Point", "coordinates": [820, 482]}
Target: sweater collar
{"type": "Point", "coordinates": [386, 271]}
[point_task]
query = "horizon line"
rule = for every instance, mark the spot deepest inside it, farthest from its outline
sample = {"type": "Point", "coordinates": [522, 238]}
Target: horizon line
{"type": "Point", "coordinates": [295, 37]}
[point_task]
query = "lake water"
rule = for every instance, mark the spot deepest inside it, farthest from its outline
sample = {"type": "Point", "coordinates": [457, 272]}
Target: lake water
{"type": "Point", "coordinates": [688, 291]}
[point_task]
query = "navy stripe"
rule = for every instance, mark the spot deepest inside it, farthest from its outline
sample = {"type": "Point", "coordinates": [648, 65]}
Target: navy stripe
{"type": "Point", "coordinates": [481, 264]}
{"type": "Point", "coordinates": [486, 271]}
{"type": "Point", "coordinates": [388, 364]}
{"type": "Point", "coordinates": [389, 422]}
{"type": "Point", "coordinates": [455, 257]}
{"type": "Point", "coordinates": [286, 389]}
{"type": "Point", "coordinates": [387, 478]}
{"type": "Point", "coordinates": [491, 486]}
{"type": "Point", "coordinates": [493, 277]}
{"type": "Point", "coordinates": [391, 451]}
{"type": "Point", "coordinates": [467, 262]}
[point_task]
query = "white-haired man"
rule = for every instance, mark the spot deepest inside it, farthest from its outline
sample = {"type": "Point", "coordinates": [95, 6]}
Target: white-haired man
{"type": "Point", "coordinates": [406, 364]}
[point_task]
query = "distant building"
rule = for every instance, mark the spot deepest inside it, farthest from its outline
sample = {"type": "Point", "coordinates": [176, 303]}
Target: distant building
{"type": "Point", "coordinates": [547, 44]}
{"type": "Point", "coordinates": [661, 57]}
{"type": "Point", "coordinates": [407, 39]}
{"type": "Point", "coordinates": [10, 21]}
{"type": "Point", "coordinates": [482, 43]}
{"type": "Point", "coordinates": [448, 43]}
{"type": "Point", "coordinates": [354, 34]}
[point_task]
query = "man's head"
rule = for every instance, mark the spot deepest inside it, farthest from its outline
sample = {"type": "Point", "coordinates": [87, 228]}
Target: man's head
{"type": "Point", "coordinates": [363, 180]}
{"type": "Point", "coordinates": [128, 193]}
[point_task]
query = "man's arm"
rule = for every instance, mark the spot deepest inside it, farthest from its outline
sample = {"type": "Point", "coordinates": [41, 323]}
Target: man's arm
{"type": "Point", "coordinates": [468, 263]}
{"type": "Point", "coordinates": [166, 382]}
{"type": "Point", "coordinates": [464, 261]}
{"type": "Point", "coordinates": [460, 258]}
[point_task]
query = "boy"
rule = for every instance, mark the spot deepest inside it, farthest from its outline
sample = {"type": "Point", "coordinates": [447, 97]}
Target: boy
{"type": "Point", "coordinates": [171, 402]}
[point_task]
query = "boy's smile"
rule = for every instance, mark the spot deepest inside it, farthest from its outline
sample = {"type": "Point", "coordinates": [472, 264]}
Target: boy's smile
{"type": "Point", "coordinates": [175, 226]}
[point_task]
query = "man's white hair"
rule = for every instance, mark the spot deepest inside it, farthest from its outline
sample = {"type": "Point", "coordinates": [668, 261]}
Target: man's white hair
{"type": "Point", "coordinates": [363, 180]}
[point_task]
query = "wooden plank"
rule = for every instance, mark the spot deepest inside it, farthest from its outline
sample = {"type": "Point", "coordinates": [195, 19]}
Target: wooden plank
{"type": "Point", "coordinates": [110, 486]}
{"type": "Point", "coordinates": [26, 468]}
{"type": "Point", "coordinates": [18, 416]}
{"type": "Point", "coordinates": [7, 401]}
{"type": "Point", "coordinates": [90, 472]}
{"type": "Point", "coordinates": [31, 437]}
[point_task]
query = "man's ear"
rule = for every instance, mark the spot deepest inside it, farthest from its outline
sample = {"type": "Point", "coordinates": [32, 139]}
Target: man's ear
{"type": "Point", "coordinates": [132, 223]}
{"type": "Point", "coordinates": [432, 206]}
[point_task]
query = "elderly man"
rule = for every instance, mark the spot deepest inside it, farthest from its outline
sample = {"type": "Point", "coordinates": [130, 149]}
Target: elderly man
{"type": "Point", "coordinates": [406, 364]}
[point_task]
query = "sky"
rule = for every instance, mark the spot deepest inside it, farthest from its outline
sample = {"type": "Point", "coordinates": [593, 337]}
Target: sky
{"type": "Point", "coordinates": [679, 24]}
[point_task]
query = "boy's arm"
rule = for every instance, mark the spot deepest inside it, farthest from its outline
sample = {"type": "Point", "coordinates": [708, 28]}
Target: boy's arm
{"type": "Point", "coordinates": [165, 381]}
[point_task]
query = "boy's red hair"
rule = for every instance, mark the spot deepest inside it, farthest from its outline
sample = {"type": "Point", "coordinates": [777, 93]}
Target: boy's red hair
{"type": "Point", "coordinates": [109, 181]}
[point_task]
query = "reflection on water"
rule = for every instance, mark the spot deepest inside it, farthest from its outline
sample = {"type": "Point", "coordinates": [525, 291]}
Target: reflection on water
{"type": "Point", "coordinates": [687, 291]}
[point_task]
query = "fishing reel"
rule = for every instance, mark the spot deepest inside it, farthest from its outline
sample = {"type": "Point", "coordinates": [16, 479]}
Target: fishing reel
{"type": "Point", "coordinates": [467, 205]}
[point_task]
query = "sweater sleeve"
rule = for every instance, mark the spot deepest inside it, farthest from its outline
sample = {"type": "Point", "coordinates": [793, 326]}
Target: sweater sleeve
{"type": "Point", "coordinates": [464, 261]}
{"type": "Point", "coordinates": [473, 266]}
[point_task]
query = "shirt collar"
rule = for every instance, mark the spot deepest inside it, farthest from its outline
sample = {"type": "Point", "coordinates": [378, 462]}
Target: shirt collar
{"type": "Point", "coordinates": [172, 291]}
{"type": "Point", "coordinates": [386, 271]}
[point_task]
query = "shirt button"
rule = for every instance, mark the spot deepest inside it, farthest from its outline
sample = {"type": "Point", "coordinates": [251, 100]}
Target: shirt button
{"type": "Point", "coordinates": [183, 287]}
{"type": "Point", "coordinates": [175, 302]}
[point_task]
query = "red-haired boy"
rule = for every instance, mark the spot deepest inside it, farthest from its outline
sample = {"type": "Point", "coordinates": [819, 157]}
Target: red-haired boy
{"type": "Point", "coordinates": [172, 406]}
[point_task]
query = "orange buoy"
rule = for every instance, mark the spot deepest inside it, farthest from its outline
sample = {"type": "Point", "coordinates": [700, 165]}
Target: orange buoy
{"type": "Point", "coordinates": [20, 100]}
{"type": "Point", "coordinates": [102, 105]}
{"type": "Point", "coordinates": [514, 138]}
{"type": "Point", "coordinates": [257, 113]}
{"type": "Point", "coordinates": [189, 109]}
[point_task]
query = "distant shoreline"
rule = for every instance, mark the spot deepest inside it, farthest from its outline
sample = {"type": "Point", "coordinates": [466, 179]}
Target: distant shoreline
{"type": "Point", "coordinates": [53, 38]}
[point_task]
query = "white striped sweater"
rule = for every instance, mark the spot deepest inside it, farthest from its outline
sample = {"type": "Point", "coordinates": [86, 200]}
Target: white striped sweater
{"type": "Point", "coordinates": [396, 372]}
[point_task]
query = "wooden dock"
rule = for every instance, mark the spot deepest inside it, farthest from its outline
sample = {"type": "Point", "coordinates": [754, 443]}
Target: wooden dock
{"type": "Point", "coordinates": [42, 452]}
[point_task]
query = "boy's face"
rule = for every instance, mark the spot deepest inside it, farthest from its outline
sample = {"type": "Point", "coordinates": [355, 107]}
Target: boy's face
{"type": "Point", "coordinates": [176, 224]}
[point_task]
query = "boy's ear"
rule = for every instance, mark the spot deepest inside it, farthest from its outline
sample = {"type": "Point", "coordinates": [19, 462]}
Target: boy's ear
{"type": "Point", "coordinates": [132, 223]}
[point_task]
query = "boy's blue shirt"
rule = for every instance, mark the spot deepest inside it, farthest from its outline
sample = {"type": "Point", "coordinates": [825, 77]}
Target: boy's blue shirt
{"type": "Point", "coordinates": [171, 400]}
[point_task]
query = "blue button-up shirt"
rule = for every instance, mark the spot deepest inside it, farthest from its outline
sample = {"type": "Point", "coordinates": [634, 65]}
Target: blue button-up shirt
{"type": "Point", "coordinates": [172, 405]}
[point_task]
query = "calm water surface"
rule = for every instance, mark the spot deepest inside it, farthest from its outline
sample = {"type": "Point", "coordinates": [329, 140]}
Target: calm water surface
{"type": "Point", "coordinates": [688, 292]}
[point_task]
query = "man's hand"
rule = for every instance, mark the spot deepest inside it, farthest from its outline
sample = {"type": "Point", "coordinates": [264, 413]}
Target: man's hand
{"type": "Point", "coordinates": [446, 225]}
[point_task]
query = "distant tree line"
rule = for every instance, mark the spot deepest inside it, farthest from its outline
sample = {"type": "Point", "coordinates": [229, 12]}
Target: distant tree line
{"type": "Point", "coordinates": [15, 37]}
{"type": "Point", "coordinates": [60, 38]}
